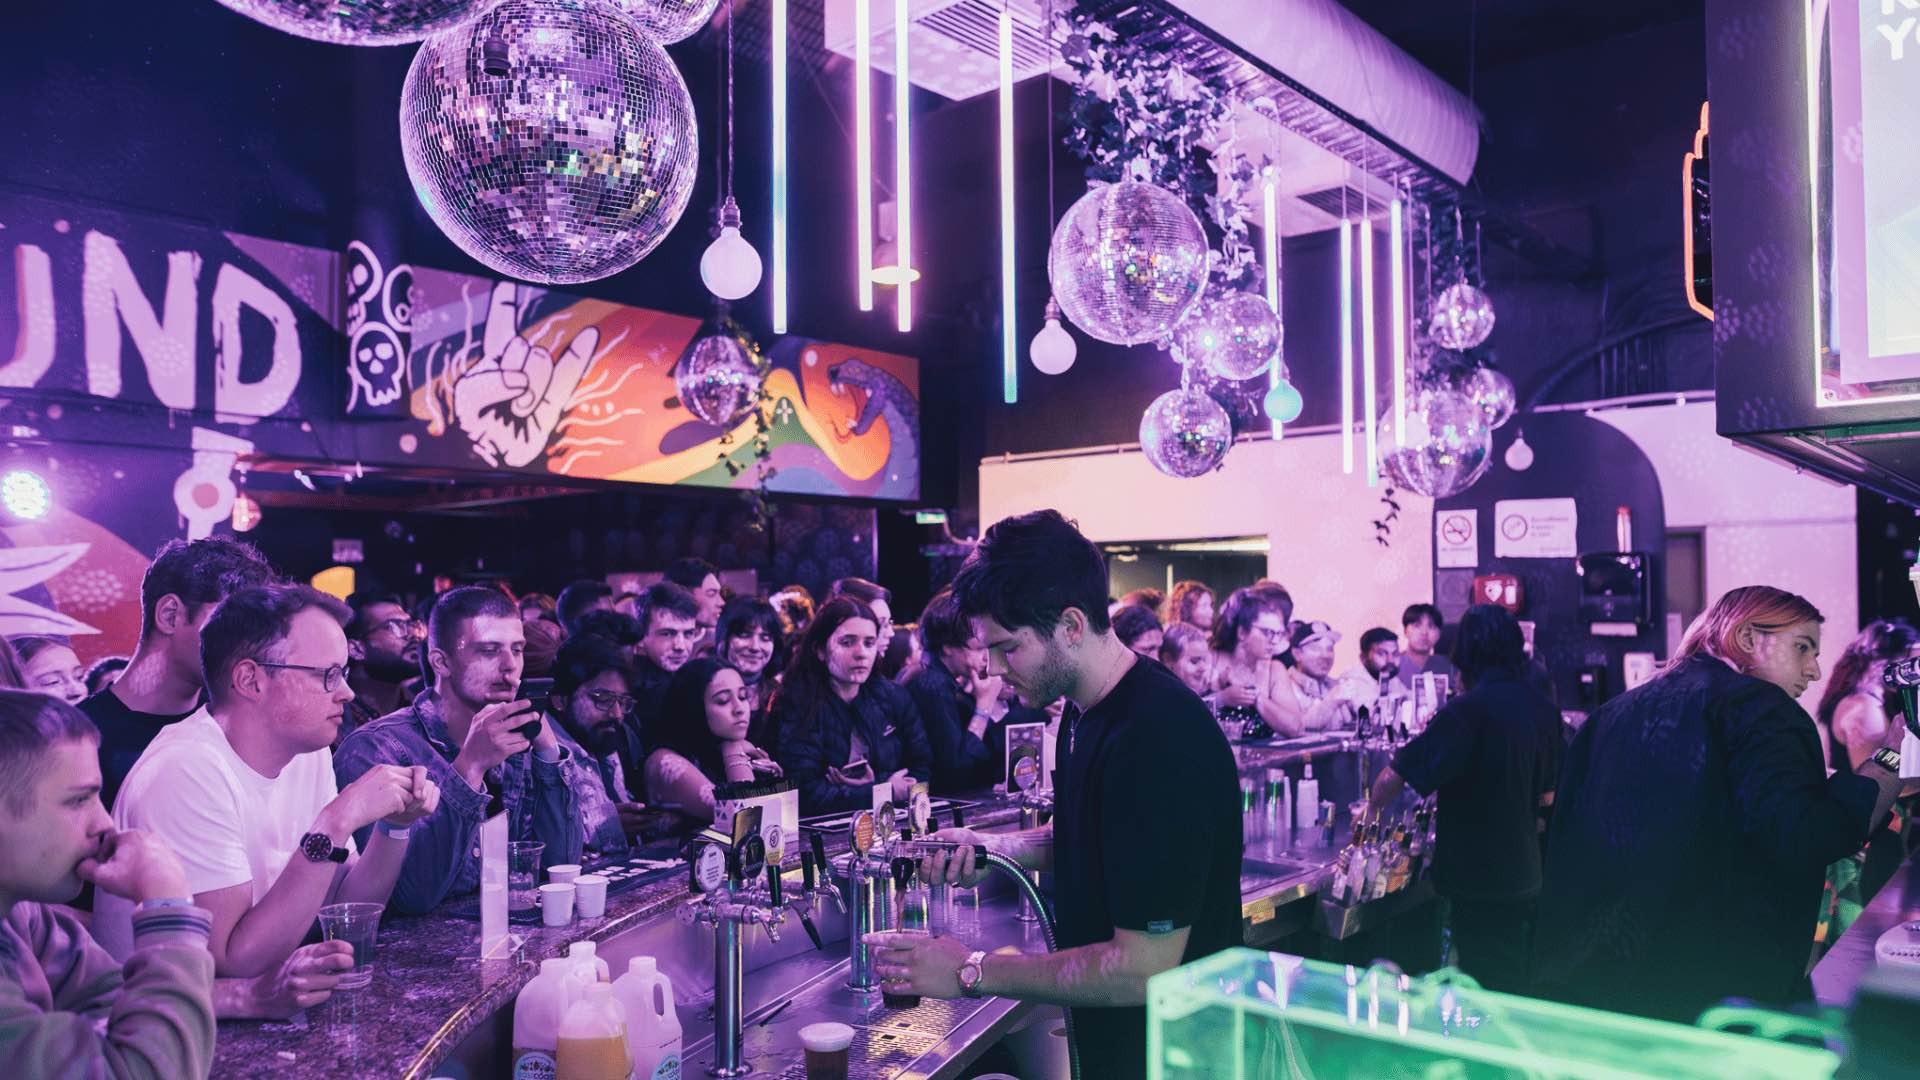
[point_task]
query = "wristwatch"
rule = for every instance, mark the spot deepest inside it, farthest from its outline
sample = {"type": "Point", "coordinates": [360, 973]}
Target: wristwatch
{"type": "Point", "coordinates": [319, 847]}
{"type": "Point", "coordinates": [1887, 758]}
{"type": "Point", "coordinates": [971, 973]}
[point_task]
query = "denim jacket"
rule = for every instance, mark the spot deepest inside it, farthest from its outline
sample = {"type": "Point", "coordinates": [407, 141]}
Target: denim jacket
{"type": "Point", "coordinates": [443, 851]}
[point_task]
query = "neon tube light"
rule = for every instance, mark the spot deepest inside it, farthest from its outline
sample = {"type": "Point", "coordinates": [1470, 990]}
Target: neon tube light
{"type": "Point", "coordinates": [1398, 267]}
{"type": "Point", "coordinates": [1009, 350]}
{"type": "Point", "coordinates": [863, 148]}
{"type": "Point", "coordinates": [1270, 250]}
{"type": "Point", "coordinates": [902, 165]}
{"type": "Point", "coordinates": [1346, 348]}
{"type": "Point", "coordinates": [1368, 390]}
{"type": "Point", "coordinates": [779, 166]}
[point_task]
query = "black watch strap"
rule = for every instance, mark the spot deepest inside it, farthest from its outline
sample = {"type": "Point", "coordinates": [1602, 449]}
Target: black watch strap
{"type": "Point", "coordinates": [319, 847]}
{"type": "Point", "coordinates": [1888, 758]}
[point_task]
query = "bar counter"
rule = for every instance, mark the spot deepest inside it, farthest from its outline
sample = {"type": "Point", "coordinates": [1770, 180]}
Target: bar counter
{"type": "Point", "coordinates": [1838, 974]}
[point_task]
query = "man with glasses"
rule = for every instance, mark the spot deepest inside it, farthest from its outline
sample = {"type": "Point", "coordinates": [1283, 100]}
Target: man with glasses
{"type": "Point", "coordinates": [383, 648]}
{"type": "Point", "coordinates": [488, 750]}
{"type": "Point", "coordinates": [591, 702]}
{"type": "Point", "coordinates": [243, 790]}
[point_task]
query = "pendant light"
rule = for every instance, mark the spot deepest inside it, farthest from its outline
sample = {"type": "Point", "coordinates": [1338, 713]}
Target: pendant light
{"type": "Point", "coordinates": [1053, 349]}
{"type": "Point", "coordinates": [730, 268]}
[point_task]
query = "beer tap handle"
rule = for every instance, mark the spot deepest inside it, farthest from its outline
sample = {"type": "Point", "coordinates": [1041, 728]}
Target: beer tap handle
{"type": "Point", "coordinates": [806, 872]}
{"type": "Point", "coordinates": [959, 818]}
{"type": "Point", "coordinates": [820, 855]}
{"type": "Point", "coordinates": [773, 883]}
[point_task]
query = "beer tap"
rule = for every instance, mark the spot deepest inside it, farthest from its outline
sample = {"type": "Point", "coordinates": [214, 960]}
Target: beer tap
{"type": "Point", "coordinates": [814, 862]}
{"type": "Point", "coordinates": [869, 898]}
{"type": "Point", "coordinates": [725, 873]}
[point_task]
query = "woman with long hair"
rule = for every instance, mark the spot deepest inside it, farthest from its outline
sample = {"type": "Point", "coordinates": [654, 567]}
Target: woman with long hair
{"type": "Point", "coordinates": [1694, 822]}
{"type": "Point", "coordinates": [751, 640]}
{"type": "Point", "coordinates": [48, 664]}
{"type": "Point", "coordinates": [1189, 602]}
{"type": "Point", "coordinates": [1250, 686]}
{"type": "Point", "coordinates": [702, 741]}
{"type": "Point", "coordinates": [841, 731]}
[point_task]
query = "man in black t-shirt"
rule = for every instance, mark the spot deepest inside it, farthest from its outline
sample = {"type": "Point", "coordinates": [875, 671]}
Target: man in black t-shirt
{"type": "Point", "coordinates": [1145, 841]}
{"type": "Point", "coordinates": [1494, 756]}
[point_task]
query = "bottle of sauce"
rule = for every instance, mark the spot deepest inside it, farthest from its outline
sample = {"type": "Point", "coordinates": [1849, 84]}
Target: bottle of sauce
{"type": "Point", "coordinates": [593, 1038]}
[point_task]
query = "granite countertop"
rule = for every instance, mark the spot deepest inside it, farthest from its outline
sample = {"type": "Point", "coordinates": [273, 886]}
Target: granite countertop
{"type": "Point", "coordinates": [425, 998]}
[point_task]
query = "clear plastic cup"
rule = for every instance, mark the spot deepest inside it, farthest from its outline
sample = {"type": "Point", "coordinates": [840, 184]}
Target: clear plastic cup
{"type": "Point", "coordinates": [523, 874]}
{"type": "Point", "coordinates": [827, 1046]}
{"type": "Point", "coordinates": [359, 926]}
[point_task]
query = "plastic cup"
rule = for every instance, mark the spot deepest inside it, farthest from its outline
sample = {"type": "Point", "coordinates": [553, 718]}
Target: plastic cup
{"type": "Point", "coordinates": [827, 1046]}
{"type": "Point", "coordinates": [359, 926]}
{"type": "Point", "coordinates": [561, 873]}
{"type": "Point", "coordinates": [590, 896]}
{"type": "Point", "coordinates": [523, 874]}
{"type": "Point", "coordinates": [556, 903]}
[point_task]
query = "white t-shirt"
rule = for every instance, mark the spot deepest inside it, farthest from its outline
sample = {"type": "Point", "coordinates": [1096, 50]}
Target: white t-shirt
{"type": "Point", "coordinates": [228, 824]}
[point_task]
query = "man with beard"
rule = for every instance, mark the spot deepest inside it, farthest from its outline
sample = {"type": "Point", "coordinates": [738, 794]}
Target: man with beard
{"type": "Point", "coordinates": [383, 657]}
{"type": "Point", "coordinates": [591, 701]}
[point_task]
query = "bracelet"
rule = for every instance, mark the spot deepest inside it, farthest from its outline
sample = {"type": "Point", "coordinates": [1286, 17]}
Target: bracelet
{"type": "Point", "coordinates": [160, 902]}
{"type": "Point", "coordinates": [394, 832]}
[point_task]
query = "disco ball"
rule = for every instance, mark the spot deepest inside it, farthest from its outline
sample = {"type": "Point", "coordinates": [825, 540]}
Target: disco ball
{"type": "Point", "coordinates": [1462, 317]}
{"type": "Point", "coordinates": [1493, 392]}
{"type": "Point", "coordinates": [1127, 262]}
{"type": "Point", "coordinates": [718, 379]}
{"type": "Point", "coordinates": [1185, 432]}
{"type": "Point", "coordinates": [362, 22]}
{"type": "Point", "coordinates": [571, 166]}
{"type": "Point", "coordinates": [1234, 334]}
{"type": "Point", "coordinates": [670, 20]}
{"type": "Point", "coordinates": [1446, 448]}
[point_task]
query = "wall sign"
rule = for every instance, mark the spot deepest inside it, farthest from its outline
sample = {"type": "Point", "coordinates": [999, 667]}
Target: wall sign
{"type": "Point", "coordinates": [1535, 529]}
{"type": "Point", "coordinates": [1456, 539]}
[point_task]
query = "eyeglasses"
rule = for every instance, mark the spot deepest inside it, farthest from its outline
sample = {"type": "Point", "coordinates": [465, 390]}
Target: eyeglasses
{"type": "Point", "coordinates": [330, 677]}
{"type": "Point", "coordinates": [1271, 632]}
{"type": "Point", "coordinates": [608, 701]}
{"type": "Point", "coordinates": [400, 627]}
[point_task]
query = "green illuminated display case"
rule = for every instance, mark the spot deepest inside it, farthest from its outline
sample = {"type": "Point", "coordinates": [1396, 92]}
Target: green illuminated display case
{"type": "Point", "coordinates": [1247, 1015]}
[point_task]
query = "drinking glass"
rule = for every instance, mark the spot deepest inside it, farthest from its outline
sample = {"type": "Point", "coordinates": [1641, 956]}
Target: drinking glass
{"type": "Point", "coordinates": [523, 874]}
{"type": "Point", "coordinates": [359, 926]}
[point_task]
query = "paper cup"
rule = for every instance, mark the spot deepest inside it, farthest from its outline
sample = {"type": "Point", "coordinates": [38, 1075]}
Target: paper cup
{"type": "Point", "coordinates": [590, 896]}
{"type": "Point", "coordinates": [556, 904]}
{"type": "Point", "coordinates": [562, 873]}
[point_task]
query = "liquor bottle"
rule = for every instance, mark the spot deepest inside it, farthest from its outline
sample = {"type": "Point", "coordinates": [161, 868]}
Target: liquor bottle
{"type": "Point", "coordinates": [1338, 886]}
{"type": "Point", "coordinates": [1376, 854]}
{"type": "Point", "coordinates": [1401, 868]}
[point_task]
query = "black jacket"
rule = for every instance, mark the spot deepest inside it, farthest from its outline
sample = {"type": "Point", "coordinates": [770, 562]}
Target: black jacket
{"type": "Point", "coordinates": [1690, 838]}
{"type": "Point", "coordinates": [888, 725]}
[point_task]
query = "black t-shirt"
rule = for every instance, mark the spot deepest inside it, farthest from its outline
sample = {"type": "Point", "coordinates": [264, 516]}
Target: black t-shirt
{"type": "Point", "coordinates": [1490, 753]}
{"type": "Point", "coordinates": [1146, 835]}
{"type": "Point", "coordinates": [124, 735]}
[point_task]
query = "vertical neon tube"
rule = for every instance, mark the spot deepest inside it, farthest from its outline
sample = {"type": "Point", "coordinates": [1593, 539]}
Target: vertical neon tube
{"type": "Point", "coordinates": [779, 166]}
{"type": "Point", "coordinates": [1270, 250]}
{"type": "Point", "coordinates": [863, 148]}
{"type": "Point", "coordinates": [1368, 390]}
{"type": "Point", "coordinates": [1398, 266]}
{"type": "Point", "coordinates": [1009, 350]}
{"type": "Point", "coordinates": [902, 164]}
{"type": "Point", "coordinates": [1346, 348]}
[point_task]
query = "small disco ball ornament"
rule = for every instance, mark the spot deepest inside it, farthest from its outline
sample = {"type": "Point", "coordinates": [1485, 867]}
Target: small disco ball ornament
{"type": "Point", "coordinates": [717, 379]}
{"type": "Point", "coordinates": [1462, 317]}
{"type": "Point", "coordinates": [361, 22]}
{"type": "Point", "coordinates": [1127, 262]}
{"type": "Point", "coordinates": [1185, 432]}
{"type": "Point", "coordinates": [1283, 403]}
{"type": "Point", "coordinates": [1493, 392]}
{"type": "Point", "coordinates": [552, 140]}
{"type": "Point", "coordinates": [1445, 448]}
{"type": "Point", "coordinates": [670, 20]}
{"type": "Point", "coordinates": [1233, 334]}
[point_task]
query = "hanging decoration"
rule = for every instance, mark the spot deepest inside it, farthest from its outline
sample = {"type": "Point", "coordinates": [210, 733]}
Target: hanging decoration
{"type": "Point", "coordinates": [1462, 315]}
{"type": "Point", "coordinates": [669, 21]}
{"type": "Point", "coordinates": [1234, 334]}
{"type": "Point", "coordinates": [1053, 350]}
{"type": "Point", "coordinates": [552, 140]}
{"type": "Point", "coordinates": [1490, 389]}
{"type": "Point", "coordinates": [364, 22]}
{"type": "Point", "coordinates": [1127, 262]}
{"type": "Point", "coordinates": [1282, 403]}
{"type": "Point", "coordinates": [730, 267]}
{"type": "Point", "coordinates": [1185, 433]}
{"type": "Point", "coordinates": [1519, 456]}
{"type": "Point", "coordinates": [1445, 447]}
{"type": "Point", "coordinates": [719, 376]}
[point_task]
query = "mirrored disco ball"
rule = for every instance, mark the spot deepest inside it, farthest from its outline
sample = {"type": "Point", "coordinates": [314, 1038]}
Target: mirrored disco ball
{"type": "Point", "coordinates": [1493, 392]}
{"type": "Point", "coordinates": [670, 20]}
{"type": "Point", "coordinates": [1127, 262]}
{"type": "Point", "coordinates": [1448, 444]}
{"type": "Point", "coordinates": [570, 167]}
{"type": "Point", "coordinates": [717, 379]}
{"type": "Point", "coordinates": [1185, 432]}
{"type": "Point", "coordinates": [1235, 335]}
{"type": "Point", "coordinates": [1462, 317]}
{"type": "Point", "coordinates": [361, 22]}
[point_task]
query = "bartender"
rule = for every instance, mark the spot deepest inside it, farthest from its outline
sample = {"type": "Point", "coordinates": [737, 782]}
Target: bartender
{"type": "Point", "coordinates": [1145, 840]}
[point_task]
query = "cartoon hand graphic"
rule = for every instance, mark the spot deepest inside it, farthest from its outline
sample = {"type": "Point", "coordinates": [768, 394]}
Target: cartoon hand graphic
{"type": "Point", "coordinates": [510, 399]}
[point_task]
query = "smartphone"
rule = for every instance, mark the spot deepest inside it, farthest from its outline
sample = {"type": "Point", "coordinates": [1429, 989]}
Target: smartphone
{"type": "Point", "coordinates": [537, 692]}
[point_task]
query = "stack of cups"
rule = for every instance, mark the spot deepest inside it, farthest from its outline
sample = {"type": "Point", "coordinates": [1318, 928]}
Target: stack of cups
{"type": "Point", "coordinates": [557, 895]}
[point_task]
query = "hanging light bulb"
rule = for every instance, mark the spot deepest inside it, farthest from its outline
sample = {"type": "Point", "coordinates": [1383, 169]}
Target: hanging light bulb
{"type": "Point", "coordinates": [1519, 455]}
{"type": "Point", "coordinates": [1053, 349]}
{"type": "Point", "coordinates": [730, 268]}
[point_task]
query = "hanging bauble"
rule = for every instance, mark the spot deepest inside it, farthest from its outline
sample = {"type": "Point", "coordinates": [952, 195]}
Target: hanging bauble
{"type": "Point", "coordinates": [1127, 262]}
{"type": "Point", "coordinates": [570, 166]}
{"type": "Point", "coordinates": [363, 22]}
{"type": "Point", "coordinates": [730, 268]}
{"type": "Point", "coordinates": [670, 20]}
{"type": "Point", "coordinates": [1493, 392]}
{"type": "Point", "coordinates": [1283, 403]}
{"type": "Point", "coordinates": [1234, 334]}
{"type": "Point", "coordinates": [1462, 317]}
{"type": "Point", "coordinates": [1053, 349]}
{"type": "Point", "coordinates": [1445, 447]}
{"type": "Point", "coordinates": [1185, 432]}
{"type": "Point", "coordinates": [718, 378]}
